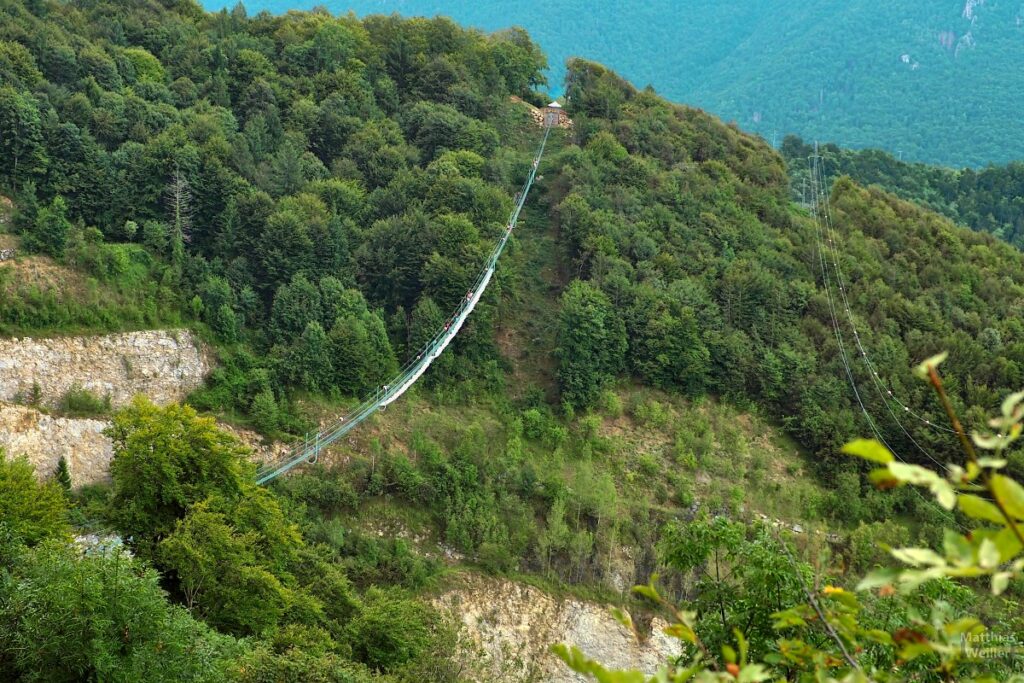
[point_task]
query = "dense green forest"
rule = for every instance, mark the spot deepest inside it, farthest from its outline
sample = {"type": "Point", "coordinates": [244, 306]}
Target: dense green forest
{"type": "Point", "coordinates": [989, 200]}
{"type": "Point", "coordinates": [314, 193]}
{"type": "Point", "coordinates": [938, 82]}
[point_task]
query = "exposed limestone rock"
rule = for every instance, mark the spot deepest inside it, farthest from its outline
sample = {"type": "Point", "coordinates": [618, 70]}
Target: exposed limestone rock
{"type": "Point", "coordinates": [165, 365]}
{"type": "Point", "coordinates": [43, 439]}
{"type": "Point", "coordinates": [513, 625]}
{"type": "Point", "coordinates": [262, 450]}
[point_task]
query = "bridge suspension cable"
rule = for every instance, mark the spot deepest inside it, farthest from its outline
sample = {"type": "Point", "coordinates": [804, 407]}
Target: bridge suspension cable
{"type": "Point", "coordinates": [309, 449]}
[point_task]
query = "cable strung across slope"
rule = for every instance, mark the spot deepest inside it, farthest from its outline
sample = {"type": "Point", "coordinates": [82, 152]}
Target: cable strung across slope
{"type": "Point", "coordinates": [824, 232]}
{"type": "Point", "coordinates": [833, 256]}
{"type": "Point", "coordinates": [309, 449]}
{"type": "Point", "coordinates": [886, 394]}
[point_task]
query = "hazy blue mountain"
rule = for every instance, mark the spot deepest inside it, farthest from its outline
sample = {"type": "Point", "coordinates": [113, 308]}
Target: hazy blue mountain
{"type": "Point", "coordinates": [935, 80]}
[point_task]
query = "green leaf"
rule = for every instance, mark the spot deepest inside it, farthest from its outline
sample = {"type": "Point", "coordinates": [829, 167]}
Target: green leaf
{"type": "Point", "coordinates": [921, 476]}
{"type": "Point", "coordinates": [1010, 402]}
{"type": "Point", "coordinates": [957, 547]}
{"type": "Point", "coordinates": [1000, 581]}
{"type": "Point", "coordinates": [992, 463]}
{"type": "Point", "coordinates": [1008, 544]}
{"type": "Point", "coordinates": [1010, 494]}
{"type": "Point", "coordinates": [915, 650]}
{"type": "Point", "coordinates": [879, 636]}
{"type": "Point", "coordinates": [648, 591]}
{"type": "Point", "coordinates": [869, 449]}
{"type": "Point", "coordinates": [944, 494]}
{"type": "Point", "coordinates": [979, 508]}
{"type": "Point", "coordinates": [742, 644]}
{"type": "Point", "coordinates": [912, 474]}
{"type": "Point", "coordinates": [882, 478]}
{"type": "Point", "coordinates": [918, 556]}
{"type": "Point", "coordinates": [754, 673]}
{"type": "Point", "coordinates": [988, 554]}
{"type": "Point", "coordinates": [989, 442]}
{"type": "Point", "coordinates": [680, 632]}
{"type": "Point", "coordinates": [878, 578]}
{"type": "Point", "coordinates": [580, 663]}
{"type": "Point", "coordinates": [622, 617]}
{"type": "Point", "coordinates": [933, 362]}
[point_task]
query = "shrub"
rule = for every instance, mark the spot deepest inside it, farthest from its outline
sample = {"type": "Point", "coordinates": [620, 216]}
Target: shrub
{"type": "Point", "coordinates": [81, 402]}
{"type": "Point", "coordinates": [868, 541]}
{"type": "Point", "coordinates": [30, 510]}
{"type": "Point", "coordinates": [392, 630]}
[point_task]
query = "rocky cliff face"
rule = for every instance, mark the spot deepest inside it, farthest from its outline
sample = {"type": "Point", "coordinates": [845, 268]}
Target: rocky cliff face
{"type": "Point", "coordinates": [44, 439]}
{"type": "Point", "coordinates": [165, 365]}
{"type": "Point", "coordinates": [514, 625]}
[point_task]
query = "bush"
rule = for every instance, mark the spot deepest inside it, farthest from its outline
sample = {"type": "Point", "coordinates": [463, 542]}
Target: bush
{"type": "Point", "coordinates": [265, 416]}
{"type": "Point", "coordinates": [80, 402]}
{"type": "Point", "coordinates": [867, 541]}
{"type": "Point", "coordinates": [610, 404]}
{"type": "Point", "coordinates": [31, 511]}
{"type": "Point", "coordinates": [101, 616]}
{"type": "Point", "coordinates": [651, 413]}
{"type": "Point", "coordinates": [392, 630]}
{"type": "Point", "coordinates": [325, 491]}
{"type": "Point", "coordinates": [495, 557]}
{"type": "Point", "coordinates": [62, 476]}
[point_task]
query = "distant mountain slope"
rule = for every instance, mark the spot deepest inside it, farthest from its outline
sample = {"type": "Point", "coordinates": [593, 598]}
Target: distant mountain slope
{"type": "Point", "coordinates": [939, 82]}
{"type": "Point", "coordinates": [988, 200]}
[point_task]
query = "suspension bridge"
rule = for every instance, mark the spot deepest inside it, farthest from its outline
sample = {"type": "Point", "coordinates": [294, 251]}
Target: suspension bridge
{"type": "Point", "coordinates": [308, 450]}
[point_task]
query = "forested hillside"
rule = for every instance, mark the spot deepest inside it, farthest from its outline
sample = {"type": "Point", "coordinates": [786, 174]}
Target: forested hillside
{"type": "Point", "coordinates": [989, 200]}
{"type": "Point", "coordinates": [940, 82]}
{"type": "Point", "coordinates": [654, 365]}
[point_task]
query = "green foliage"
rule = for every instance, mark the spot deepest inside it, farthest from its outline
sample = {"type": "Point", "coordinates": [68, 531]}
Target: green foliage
{"type": "Point", "coordinates": [71, 613]}
{"type": "Point", "coordinates": [50, 232]}
{"type": "Point", "coordinates": [266, 180]}
{"type": "Point", "coordinates": [686, 228]}
{"type": "Point", "coordinates": [21, 134]}
{"type": "Point", "coordinates": [310, 658]}
{"type": "Point", "coordinates": [62, 476]}
{"type": "Point", "coordinates": [165, 460]}
{"type": "Point", "coordinates": [591, 343]}
{"type": "Point", "coordinates": [869, 543]}
{"type": "Point", "coordinates": [739, 580]}
{"type": "Point", "coordinates": [30, 511]}
{"type": "Point", "coordinates": [393, 630]}
{"type": "Point", "coordinates": [918, 625]}
{"type": "Point", "coordinates": [839, 74]}
{"type": "Point", "coordinates": [225, 569]}
{"type": "Point", "coordinates": [80, 402]}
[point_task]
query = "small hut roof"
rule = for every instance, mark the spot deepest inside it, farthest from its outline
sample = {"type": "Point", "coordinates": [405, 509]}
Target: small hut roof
{"type": "Point", "coordinates": [554, 105]}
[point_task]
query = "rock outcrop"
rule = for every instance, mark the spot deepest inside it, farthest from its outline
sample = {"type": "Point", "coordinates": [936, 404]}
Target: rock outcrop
{"type": "Point", "coordinates": [44, 439]}
{"type": "Point", "coordinates": [165, 365]}
{"type": "Point", "coordinates": [514, 625]}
